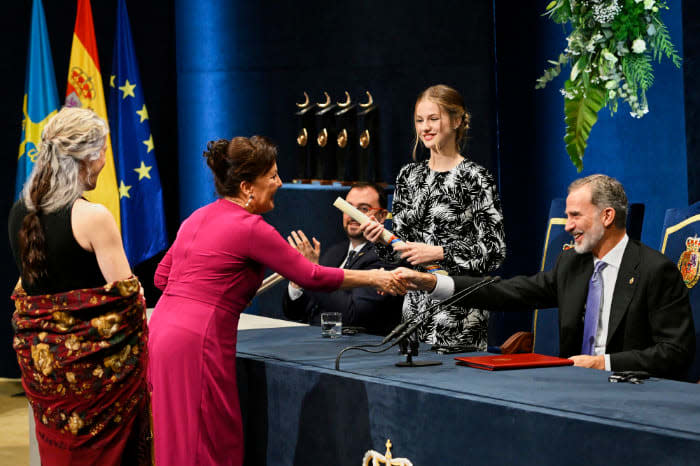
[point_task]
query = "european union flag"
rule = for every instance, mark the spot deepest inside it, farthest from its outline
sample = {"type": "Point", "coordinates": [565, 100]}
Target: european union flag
{"type": "Point", "coordinates": [140, 194]}
{"type": "Point", "coordinates": [40, 95]}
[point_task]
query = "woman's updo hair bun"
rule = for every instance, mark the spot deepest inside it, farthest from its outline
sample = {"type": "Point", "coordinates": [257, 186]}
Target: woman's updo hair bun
{"type": "Point", "coordinates": [237, 160]}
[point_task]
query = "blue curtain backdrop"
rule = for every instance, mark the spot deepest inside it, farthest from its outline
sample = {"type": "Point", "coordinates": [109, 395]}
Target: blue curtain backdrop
{"type": "Point", "coordinates": [647, 155]}
{"type": "Point", "coordinates": [242, 65]}
{"type": "Point", "coordinates": [691, 76]}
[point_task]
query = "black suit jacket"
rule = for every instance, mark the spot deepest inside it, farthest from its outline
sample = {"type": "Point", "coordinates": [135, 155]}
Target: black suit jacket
{"type": "Point", "coordinates": [361, 307]}
{"type": "Point", "coordinates": [651, 324]}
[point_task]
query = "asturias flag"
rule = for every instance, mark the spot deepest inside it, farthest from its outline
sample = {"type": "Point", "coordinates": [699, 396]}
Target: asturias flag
{"type": "Point", "coordinates": [40, 95]}
{"type": "Point", "coordinates": [140, 194]}
{"type": "Point", "coordinates": [85, 90]}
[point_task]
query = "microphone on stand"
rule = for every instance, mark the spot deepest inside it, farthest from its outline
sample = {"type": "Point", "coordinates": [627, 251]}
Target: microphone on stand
{"type": "Point", "coordinates": [417, 320]}
{"type": "Point", "coordinates": [423, 316]}
{"type": "Point", "coordinates": [454, 299]}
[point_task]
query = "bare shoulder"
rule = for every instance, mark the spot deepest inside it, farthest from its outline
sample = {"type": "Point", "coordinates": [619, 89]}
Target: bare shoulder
{"type": "Point", "coordinates": [90, 221]}
{"type": "Point", "coordinates": [91, 213]}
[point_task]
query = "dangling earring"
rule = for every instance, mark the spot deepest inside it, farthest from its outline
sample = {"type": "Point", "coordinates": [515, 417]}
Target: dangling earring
{"type": "Point", "coordinates": [250, 198]}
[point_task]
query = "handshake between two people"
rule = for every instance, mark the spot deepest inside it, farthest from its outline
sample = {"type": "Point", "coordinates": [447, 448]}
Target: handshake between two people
{"type": "Point", "coordinates": [414, 253]}
{"type": "Point", "coordinates": [394, 282]}
{"type": "Point", "coordinates": [401, 280]}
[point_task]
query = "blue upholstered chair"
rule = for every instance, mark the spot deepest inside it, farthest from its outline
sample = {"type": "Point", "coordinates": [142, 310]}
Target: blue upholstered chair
{"type": "Point", "coordinates": [545, 322]}
{"type": "Point", "coordinates": [680, 243]}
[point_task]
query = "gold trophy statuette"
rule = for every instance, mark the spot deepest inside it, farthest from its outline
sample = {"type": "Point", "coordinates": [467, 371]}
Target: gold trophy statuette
{"type": "Point", "coordinates": [343, 138]}
{"type": "Point", "coordinates": [303, 137]}
{"type": "Point", "coordinates": [364, 139]}
{"type": "Point", "coordinates": [322, 138]}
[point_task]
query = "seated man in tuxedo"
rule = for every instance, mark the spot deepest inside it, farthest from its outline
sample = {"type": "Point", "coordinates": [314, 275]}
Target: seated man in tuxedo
{"type": "Point", "coordinates": [361, 307]}
{"type": "Point", "coordinates": [622, 305]}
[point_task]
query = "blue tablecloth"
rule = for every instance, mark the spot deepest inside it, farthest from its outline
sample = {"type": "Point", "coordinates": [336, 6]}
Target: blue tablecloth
{"type": "Point", "coordinates": [299, 410]}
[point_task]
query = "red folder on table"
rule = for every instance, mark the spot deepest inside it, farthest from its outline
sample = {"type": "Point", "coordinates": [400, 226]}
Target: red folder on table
{"type": "Point", "coordinates": [501, 362]}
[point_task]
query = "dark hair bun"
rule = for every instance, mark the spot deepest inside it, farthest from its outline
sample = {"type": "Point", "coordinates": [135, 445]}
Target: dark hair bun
{"type": "Point", "coordinates": [237, 160]}
{"type": "Point", "coordinates": [216, 154]}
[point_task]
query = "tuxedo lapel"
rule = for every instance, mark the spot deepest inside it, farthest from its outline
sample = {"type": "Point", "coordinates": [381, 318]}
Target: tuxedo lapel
{"type": "Point", "coordinates": [357, 258]}
{"type": "Point", "coordinates": [625, 286]}
{"type": "Point", "coordinates": [335, 255]}
{"type": "Point", "coordinates": [572, 306]}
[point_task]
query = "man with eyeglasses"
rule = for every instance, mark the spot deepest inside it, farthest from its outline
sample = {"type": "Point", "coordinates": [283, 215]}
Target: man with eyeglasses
{"type": "Point", "coordinates": [361, 307]}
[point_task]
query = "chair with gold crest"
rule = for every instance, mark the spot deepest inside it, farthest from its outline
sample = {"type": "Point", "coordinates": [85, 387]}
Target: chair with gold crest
{"type": "Point", "coordinates": [544, 338]}
{"type": "Point", "coordinates": [681, 244]}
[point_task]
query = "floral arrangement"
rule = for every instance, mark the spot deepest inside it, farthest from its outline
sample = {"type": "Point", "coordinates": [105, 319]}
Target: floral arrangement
{"type": "Point", "coordinates": [611, 48]}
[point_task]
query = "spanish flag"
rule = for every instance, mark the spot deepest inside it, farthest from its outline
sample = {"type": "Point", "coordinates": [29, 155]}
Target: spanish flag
{"type": "Point", "coordinates": [85, 90]}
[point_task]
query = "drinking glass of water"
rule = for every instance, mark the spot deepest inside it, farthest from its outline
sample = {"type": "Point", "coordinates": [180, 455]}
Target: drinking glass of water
{"type": "Point", "coordinates": [331, 324]}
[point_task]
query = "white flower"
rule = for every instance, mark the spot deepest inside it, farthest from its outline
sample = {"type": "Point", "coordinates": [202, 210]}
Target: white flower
{"type": "Point", "coordinates": [611, 94]}
{"type": "Point", "coordinates": [612, 84]}
{"type": "Point", "coordinates": [609, 56]}
{"type": "Point", "coordinates": [604, 14]}
{"type": "Point", "coordinates": [651, 30]}
{"type": "Point", "coordinates": [648, 4]}
{"type": "Point", "coordinates": [639, 46]}
{"type": "Point", "coordinates": [638, 1]}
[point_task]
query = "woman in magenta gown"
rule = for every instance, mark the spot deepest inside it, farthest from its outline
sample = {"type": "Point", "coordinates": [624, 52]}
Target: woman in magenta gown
{"type": "Point", "coordinates": [209, 276]}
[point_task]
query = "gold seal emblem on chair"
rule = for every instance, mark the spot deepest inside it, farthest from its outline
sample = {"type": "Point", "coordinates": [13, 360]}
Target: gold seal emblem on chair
{"type": "Point", "coordinates": [689, 262]}
{"type": "Point", "coordinates": [378, 459]}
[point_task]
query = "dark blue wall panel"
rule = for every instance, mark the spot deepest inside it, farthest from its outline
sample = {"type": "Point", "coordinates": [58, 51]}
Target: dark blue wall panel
{"type": "Point", "coordinates": [242, 65]}
{"type": "Point", "coordinates": [691, 75]}
{"type": "Point", "coordinates": [647, 155]}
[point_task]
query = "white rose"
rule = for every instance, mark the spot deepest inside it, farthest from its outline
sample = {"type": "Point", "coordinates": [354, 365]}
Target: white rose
{"type": "Point", "coordinates": [648, 4]}
{"type": "Point", "coordinates": [651, 30]}
{"type": "Point", "coordinates": [609, 57]}
{"type": "Point", "coordinates": [639, 46]}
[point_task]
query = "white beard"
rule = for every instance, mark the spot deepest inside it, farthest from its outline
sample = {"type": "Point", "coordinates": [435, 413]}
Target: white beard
{"type": "Point", "coordinates": [591, 238]}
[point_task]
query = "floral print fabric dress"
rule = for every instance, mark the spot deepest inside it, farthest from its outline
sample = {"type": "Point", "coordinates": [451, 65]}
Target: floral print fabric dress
{"type": "Point", "coordinates": [460, 210]}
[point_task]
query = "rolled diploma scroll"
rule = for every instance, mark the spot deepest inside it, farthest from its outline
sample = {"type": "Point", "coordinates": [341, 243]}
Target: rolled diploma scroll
{"type": "Point", "coordinates": [268, 283]}
{"type": "Point", "coordinates": [388, 237]}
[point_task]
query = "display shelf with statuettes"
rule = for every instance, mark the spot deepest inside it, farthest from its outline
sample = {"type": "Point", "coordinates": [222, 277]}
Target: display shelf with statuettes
{"type": "Point", "coordinates": [336, 143]}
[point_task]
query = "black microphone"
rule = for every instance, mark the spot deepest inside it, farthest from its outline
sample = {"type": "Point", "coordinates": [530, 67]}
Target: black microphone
{"type": "Point", "coordinates": [451, 300]}
{"type": "Point", "coordinates": [415, 321]}
{"type": "Point", "coordinates": [454, 299]}
{"type": "Point", "coordinates": [398, 329]}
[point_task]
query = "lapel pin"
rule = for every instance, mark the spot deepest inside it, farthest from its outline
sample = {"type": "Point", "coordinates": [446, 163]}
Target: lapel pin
{"type": "Point", "coordinates": [631, 280]}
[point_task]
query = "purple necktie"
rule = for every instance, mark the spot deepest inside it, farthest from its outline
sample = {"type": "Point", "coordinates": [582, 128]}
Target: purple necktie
{"type": "Point", "coordinates": [593, 304]}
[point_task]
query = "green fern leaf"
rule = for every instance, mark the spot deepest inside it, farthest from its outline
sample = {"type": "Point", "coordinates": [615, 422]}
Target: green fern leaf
{"type": "Point", "coordinates": [581, 113]}
{"type": "Point", "coordinates": [638, 71]}
{"type": "Point", "coordinates": [662, 44]}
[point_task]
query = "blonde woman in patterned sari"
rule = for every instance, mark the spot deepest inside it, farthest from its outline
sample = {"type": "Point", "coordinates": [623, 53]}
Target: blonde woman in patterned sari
{"type": "Point", "coordinates": [80, 332]}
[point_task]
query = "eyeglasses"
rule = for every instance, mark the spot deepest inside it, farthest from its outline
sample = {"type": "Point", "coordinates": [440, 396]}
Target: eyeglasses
{"type": "Point", "coordinates": [370, 210]}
